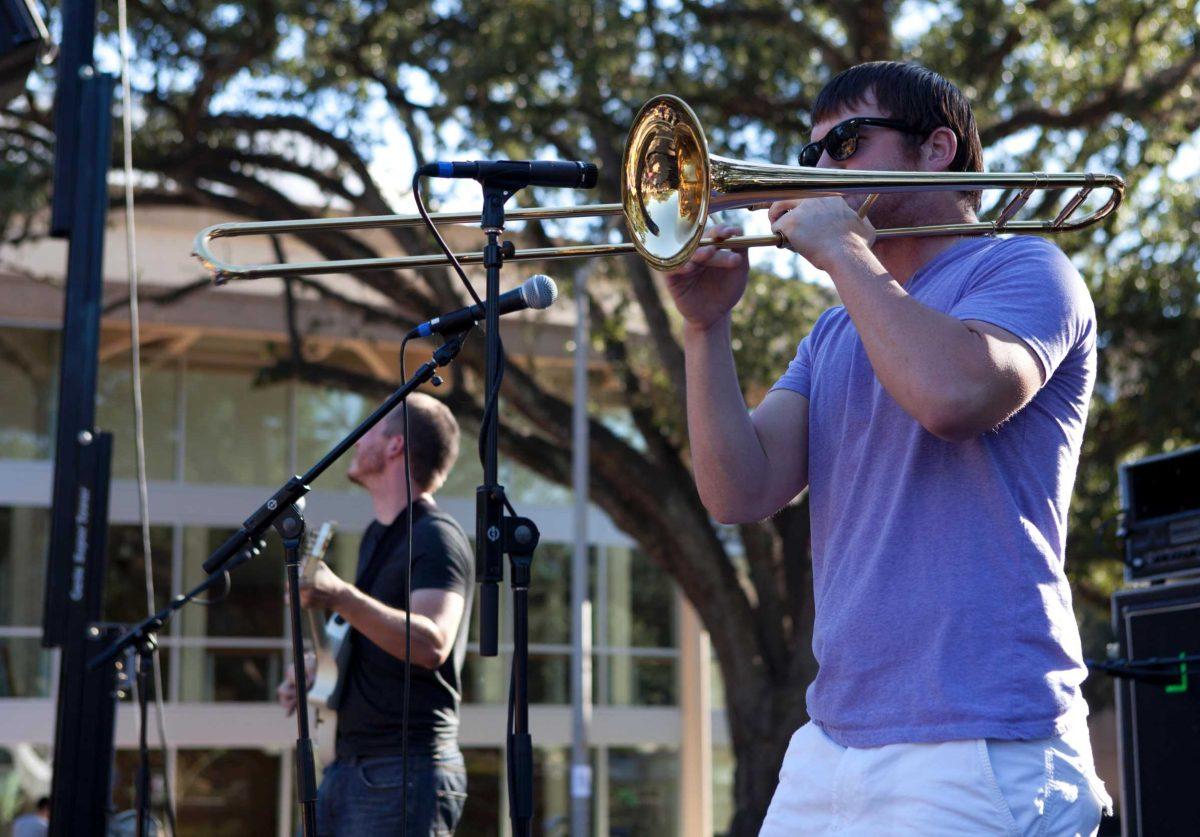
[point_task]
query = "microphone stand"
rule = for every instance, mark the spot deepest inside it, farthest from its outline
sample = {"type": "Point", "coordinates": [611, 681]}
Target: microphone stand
{"type": "Point", "coordinates": [281, 512]}
{"type": "Point", "coordinates": [143, 639]}
{"type": "Point", "coordinates": [145, 653]}
{"type": "Point", "coordinates": [497, 533]}
{"type": "Point", "coordinates": [290, 526]}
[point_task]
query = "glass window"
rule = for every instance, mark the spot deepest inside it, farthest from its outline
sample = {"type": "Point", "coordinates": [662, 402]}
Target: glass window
{"type": "Point", "coordinates": [717, 692]}
{"type": "Point", "coordinates": [550, 594]}
{"type": "Point", "coordinates": [527, 486]}
{"type": "Point", "coordinates": [724, 805]}
{"type": "Point", "coordinates": [641, 601]}
{"type": "Point", "coordinates": [114, 413]}
{"type": "Point", "coordinates": [520, 483]}
{"type": "Point", "coordinates": [253, 604]}
{"type": "Point", "coordinates": [29, 381]}
{"type": "Point", "coordinates": [323, 417]}
{"type": "Point", "coordinates": [24, 667]}
{"type": "Point", "coordinates": [549, 678]}
{"type": "Point", "coordinates": [643, 790]}
{"type": "Point", "coordinates": [485, 679]}
{"type": "Point", "coordinates": [125, 579]}
{"type": "Point", "coordinates": [24, 539]}
{"type": "Point", "coordinates": [485, 791]}
{"type": "Point", "coordinates": [467, 473]}
{"type": "Point", "coordinates": [237, 433]}
{"type": "Point", "coordinates": [551, 794]}
{"type": "Point", "coordinates": [637, 681]}
{"type": "Point", "coordinates": [231, 674]}
{"type": "Point", "coordinates": [252, 608]}
{"type": "Point", "coordinates": [124, 785]}
{"type": "Point", "coordinates": [228, 792]}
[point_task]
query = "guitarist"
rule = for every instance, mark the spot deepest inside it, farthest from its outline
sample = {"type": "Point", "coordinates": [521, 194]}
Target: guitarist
{"type": "Point", "coordinates": [361, 791]}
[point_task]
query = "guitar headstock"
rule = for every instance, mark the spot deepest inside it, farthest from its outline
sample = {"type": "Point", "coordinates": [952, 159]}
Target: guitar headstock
{"type": "Point", "coordinates": [315, 546]}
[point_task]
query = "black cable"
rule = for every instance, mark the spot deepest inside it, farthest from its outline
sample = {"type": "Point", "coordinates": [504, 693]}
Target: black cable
{"type": "Point", "coordinates": [1151, 667]}
{"type": "Point", "coordinates": [226, 589]}
{"type": "Point", "coordinates": [408, 524]}
{"type": "Point", "coordinates": [490, 406]}
{"type": "Point", "coordinates": [438, 238]}
{"type": "Point", "coordinates": [489, 409]}
{"type": "Point", "coordinates": [509, 754]}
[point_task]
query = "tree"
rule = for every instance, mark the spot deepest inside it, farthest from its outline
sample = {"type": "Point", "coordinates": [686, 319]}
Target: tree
{"type": "Point", "coordinates": [233, 98]}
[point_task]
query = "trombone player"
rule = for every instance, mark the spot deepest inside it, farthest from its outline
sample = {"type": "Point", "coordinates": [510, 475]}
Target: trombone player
{"type": "Point", "coordinates": [936, 418]}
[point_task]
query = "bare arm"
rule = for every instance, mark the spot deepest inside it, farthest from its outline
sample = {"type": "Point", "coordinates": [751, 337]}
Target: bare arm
{"type": "Point", "coordinates": [957, 378]}
{"type": "Point", "coordinates": [435, 617]}
{"type": "Point", "coordinates": [747, 466]}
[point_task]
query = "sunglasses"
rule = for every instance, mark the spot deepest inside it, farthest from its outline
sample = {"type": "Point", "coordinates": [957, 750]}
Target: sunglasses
{"type": "Point", "coordinates": [841, 141]}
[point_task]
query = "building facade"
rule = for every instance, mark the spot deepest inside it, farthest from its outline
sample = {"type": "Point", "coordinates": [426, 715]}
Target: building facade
{"type": "Point", "coordinates": [218, 442]}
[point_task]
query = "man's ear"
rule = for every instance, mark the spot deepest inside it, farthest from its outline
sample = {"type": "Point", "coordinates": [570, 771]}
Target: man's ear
{"type": "Point", "coordinates": [395, 447]}
{"type": "Point", "coordinates": [939, 148]}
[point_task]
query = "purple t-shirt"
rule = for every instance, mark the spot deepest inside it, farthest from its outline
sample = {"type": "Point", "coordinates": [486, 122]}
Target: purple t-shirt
{"type": "Point", "coordinates": [942, 608]}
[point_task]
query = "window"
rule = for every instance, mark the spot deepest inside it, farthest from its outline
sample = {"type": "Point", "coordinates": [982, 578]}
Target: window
{"type": "Point", "coordinates": [114, 413]}
{"type": "Point", "coordinates": [236, 433]}
{"type": "Point", "coordinates": [29, 381]}
{"type": "Point", "coordinates": [643, 789]}
{"type": "Point", "coordinates": [233, 648]}
{"type": "Point", "coordinates": [323, 418]}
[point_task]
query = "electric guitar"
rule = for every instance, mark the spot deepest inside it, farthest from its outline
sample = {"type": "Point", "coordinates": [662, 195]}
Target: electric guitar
{"type": "Point", "coordinates": [330, 646]}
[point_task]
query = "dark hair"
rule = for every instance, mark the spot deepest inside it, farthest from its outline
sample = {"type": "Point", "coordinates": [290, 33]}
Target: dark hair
{"type": "Point", "coordinates": [911, 93]}
{"type": "Point", "coordinates": [432, 445]}
{"type": "Point", "coordinates": [43, 802]}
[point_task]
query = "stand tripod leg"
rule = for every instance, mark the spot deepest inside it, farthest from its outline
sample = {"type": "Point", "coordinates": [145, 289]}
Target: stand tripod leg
{"type": "Point", "coordinates": [306, 770]}
{"type": "Point", "coordinates": [145, 659]}
{"type": "Point", "coordinates": [290, 526]}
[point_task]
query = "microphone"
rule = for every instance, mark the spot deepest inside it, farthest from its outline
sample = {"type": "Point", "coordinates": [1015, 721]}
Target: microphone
{"type": "Point", "coordinates": [516, 174]}
{"type": "Point", "coordinates": [537, 292]}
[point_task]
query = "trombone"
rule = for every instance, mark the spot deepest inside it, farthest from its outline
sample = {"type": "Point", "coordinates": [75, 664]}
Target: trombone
{"type": "Point", "coordinates": [670, 184]}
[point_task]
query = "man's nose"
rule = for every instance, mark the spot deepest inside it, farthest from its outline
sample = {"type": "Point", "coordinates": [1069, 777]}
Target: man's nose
{"type": "Point", "coordinates": [827, 162]}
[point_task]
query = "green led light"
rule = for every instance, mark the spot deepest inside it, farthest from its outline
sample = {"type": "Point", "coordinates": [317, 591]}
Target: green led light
{"type": "Point", "coordinates": [1181, 686]}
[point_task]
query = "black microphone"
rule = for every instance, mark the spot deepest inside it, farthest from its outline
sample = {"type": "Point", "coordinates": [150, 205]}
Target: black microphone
{"type": "Point", "coordinates": [516, 174]}
{"type": "Point", "coordinates": [537, 292]}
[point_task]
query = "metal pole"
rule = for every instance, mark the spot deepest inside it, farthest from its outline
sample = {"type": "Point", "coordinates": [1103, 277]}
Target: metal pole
{"type": "Point", "coordinates": [581, 618]}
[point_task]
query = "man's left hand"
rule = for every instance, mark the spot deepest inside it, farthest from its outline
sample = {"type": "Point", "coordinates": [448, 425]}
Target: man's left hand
{"type": "Point", "coordinates": [821, 229]}
{"type": "Point", "coordinates": [323, 589]}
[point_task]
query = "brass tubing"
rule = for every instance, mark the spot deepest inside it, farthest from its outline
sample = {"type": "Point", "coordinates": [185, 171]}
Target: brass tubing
{"type": "Point", "coordinates": [671, 185]}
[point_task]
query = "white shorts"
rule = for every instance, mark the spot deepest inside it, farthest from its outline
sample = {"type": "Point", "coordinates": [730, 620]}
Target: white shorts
{"type": "Point", "coordinates": [1046, 788]}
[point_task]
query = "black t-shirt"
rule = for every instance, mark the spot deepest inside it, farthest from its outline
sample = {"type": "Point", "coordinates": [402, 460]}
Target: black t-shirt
{"type": "Point", "coordinates": [370, 712]}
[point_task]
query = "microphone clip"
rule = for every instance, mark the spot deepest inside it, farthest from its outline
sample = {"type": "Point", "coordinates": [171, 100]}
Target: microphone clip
{"type": "Point", "coordinates": [451, 346]}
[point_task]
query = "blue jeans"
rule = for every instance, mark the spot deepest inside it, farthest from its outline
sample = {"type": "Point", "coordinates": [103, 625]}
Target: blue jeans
{"type": "Point", "coordinates": [363, 795]}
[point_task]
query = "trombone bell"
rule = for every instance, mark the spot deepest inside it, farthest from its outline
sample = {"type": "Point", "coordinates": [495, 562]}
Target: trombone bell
{"type": "Point", "coordinates": [665, 182]}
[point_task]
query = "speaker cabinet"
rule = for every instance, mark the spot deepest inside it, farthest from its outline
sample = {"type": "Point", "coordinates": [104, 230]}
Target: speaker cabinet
{"type": "Point", "coordinates": [1160, 496]}
{"type": "Point", "coordinates": [1159, 742]}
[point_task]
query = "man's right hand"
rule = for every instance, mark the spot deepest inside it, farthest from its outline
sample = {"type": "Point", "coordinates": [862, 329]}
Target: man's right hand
{"type": "Point", "coordinates": [707, 288]}
{"type": "Point", "coordinates": [285, 693]}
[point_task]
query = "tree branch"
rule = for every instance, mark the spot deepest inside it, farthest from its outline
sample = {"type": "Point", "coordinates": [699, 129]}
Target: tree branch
{"type": "Point", "coordinates": [1133, 101]}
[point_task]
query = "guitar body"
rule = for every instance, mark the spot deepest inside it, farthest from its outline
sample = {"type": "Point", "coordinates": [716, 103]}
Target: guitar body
{"type": "Point", "coordinates": [330, 644]}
